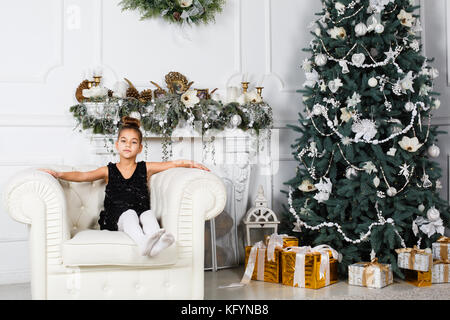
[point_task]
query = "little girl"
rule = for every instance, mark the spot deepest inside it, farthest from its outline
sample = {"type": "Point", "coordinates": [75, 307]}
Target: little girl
{"type": "Point", "coordinates": [127, 199]}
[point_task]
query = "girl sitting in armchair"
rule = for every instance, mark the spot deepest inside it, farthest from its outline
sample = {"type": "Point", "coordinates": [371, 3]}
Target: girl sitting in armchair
{"type": "Point", "coordinates": [127, 199]}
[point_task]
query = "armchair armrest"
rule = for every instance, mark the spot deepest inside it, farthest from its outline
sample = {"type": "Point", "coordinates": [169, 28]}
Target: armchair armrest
{"type": "Point", "coordinates": [174, 189]}
{"type": "Point", "coordinates": [36, 198]}
{"type": "Point", "coordinates": [29, 191]}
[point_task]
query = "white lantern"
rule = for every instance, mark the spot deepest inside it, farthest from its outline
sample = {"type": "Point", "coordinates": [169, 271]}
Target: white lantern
{"type": "Point", "coordinates": [260, 217]}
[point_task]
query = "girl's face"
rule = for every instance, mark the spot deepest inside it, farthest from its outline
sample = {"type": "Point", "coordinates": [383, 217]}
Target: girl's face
{"type": "Point", "coordinates": [128, 144]}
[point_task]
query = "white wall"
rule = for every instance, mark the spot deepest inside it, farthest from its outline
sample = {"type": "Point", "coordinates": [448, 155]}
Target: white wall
{"type": "Point", "coordinates": [49, 42]}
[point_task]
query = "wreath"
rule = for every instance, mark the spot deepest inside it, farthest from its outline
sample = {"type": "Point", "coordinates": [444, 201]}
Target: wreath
{"type": "Point", "coordinates": [176, 11]}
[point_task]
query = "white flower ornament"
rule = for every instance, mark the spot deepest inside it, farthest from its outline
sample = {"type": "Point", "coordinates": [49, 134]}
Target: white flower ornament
{"type": "Point", "coordinates": [410, 144]}
{"type": "Point", "coordinates": [189, 98]}
{"type": "Point", "coordinates": [337, 33]}
{"type": "Point", "coordinates": [406, 18]}
{"type": "Point", "coordinates": [185, 3]}
{"type": "Point", "coordinates": [306, 186]}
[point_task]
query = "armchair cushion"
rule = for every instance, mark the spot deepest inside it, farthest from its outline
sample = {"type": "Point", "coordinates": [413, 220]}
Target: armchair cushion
{"type": "Point", "coordinates": [104, 247]}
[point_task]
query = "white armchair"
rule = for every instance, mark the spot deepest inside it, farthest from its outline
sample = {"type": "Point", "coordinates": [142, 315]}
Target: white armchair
{"type": "Point", "coordinates": [72, 259]}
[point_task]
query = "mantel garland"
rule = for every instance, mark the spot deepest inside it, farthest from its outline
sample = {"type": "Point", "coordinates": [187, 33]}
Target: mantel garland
{"type": "Point", "coordinates": [163, 114]}
{"type": "Point", "coordinates": [176, 11]}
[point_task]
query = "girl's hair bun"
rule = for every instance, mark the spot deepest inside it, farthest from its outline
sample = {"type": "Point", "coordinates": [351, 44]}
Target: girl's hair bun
{"type": "Point", "coordinates": [130, 122]}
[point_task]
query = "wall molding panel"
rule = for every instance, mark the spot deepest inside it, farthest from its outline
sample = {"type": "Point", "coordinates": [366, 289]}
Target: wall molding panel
{"type": "Point", "coordinates": [57, 61]}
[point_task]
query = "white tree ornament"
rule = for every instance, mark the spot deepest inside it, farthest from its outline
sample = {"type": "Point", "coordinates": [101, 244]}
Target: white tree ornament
{"type": "Point", "coordinates": [364, 128]}
{"type": "Point", "coordinates": [434, 151]}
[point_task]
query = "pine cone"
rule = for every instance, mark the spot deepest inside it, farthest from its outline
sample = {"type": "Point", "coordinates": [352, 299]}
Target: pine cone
{"type": "Point", "coordinates": [146, 96]}
{"type": "Point", "coordinates": [132, 92]}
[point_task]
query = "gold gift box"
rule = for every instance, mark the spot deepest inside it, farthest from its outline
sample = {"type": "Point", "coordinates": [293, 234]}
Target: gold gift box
{"type": "Point", "coordinates": [418, 278]}
{"type": "Point", "coordinates": [288, 241]}
{"type": "Point", "coordinates": [312, 269]}
{"type": "Point", "coordinates": [271, 268]}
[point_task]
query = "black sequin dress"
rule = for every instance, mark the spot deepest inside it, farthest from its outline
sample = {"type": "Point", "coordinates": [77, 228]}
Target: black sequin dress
{"type": "Point", "coordinates": [122, 194]}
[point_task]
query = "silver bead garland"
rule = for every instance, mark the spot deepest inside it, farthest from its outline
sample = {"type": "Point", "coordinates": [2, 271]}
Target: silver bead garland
{"type": "Point", "coordinates": [381, 221]}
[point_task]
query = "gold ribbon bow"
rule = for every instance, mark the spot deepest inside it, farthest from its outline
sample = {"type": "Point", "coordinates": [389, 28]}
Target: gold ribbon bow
{"type": "Point", "coordinates": [413, 250]}
{"type": "Point", "coordinates": [441, 261]}
{"type": "Point", "coordinates": [368, 277]}
{"type": "Point", "coordinates": [443, 247]}
{"type": "Point", "coordinates": [443, 239]}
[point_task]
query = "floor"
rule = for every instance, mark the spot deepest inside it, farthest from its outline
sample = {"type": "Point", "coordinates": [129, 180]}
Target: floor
{"type": "Point", "coordinates": [258, 290]}
{"type": "Point", "coordinates": [399, 290]}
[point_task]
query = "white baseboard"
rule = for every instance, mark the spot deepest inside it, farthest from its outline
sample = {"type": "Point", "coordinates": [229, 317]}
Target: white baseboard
{"type": "Point", "coordinates": [14, 265]}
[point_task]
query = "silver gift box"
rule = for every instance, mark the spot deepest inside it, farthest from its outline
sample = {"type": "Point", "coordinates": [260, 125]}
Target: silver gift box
{"type": "Point", "coordinates": [422, 262]}
{"type": "Point", "coordinates": [355, 276]}
{"type": "Point", "coordinates": [437, 247]}
{"type": "Point", "coordinates": [440, 273]}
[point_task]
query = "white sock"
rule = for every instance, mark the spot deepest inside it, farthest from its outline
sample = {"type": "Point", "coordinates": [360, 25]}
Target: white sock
{"type": "Point", "coordinates": [164, 242]}
{"type": "Point", "coordinates": [129, 223]}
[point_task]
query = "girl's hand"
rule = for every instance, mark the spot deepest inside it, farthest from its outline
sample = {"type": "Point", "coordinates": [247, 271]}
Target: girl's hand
{"type": "Point", "coordinates": [193, 164]}
{"type": "Point", "coordinates": [53, 173]}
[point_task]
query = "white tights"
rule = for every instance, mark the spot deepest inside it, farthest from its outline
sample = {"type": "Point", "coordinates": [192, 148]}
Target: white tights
{"type": "Point", "coordinates": [151, 239]}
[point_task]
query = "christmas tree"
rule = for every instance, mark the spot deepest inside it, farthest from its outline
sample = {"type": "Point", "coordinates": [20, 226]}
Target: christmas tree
{"type": "Point", "coordinates": [365, 182]}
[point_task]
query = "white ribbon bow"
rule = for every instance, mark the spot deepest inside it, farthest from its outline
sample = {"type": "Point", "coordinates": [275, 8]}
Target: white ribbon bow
{"type": "Point", "coordinates": [258, 251]}
{"type": "Point", "coordinates": [428, 227]}
{"type": "Point", "coordinates": [275, 241]}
